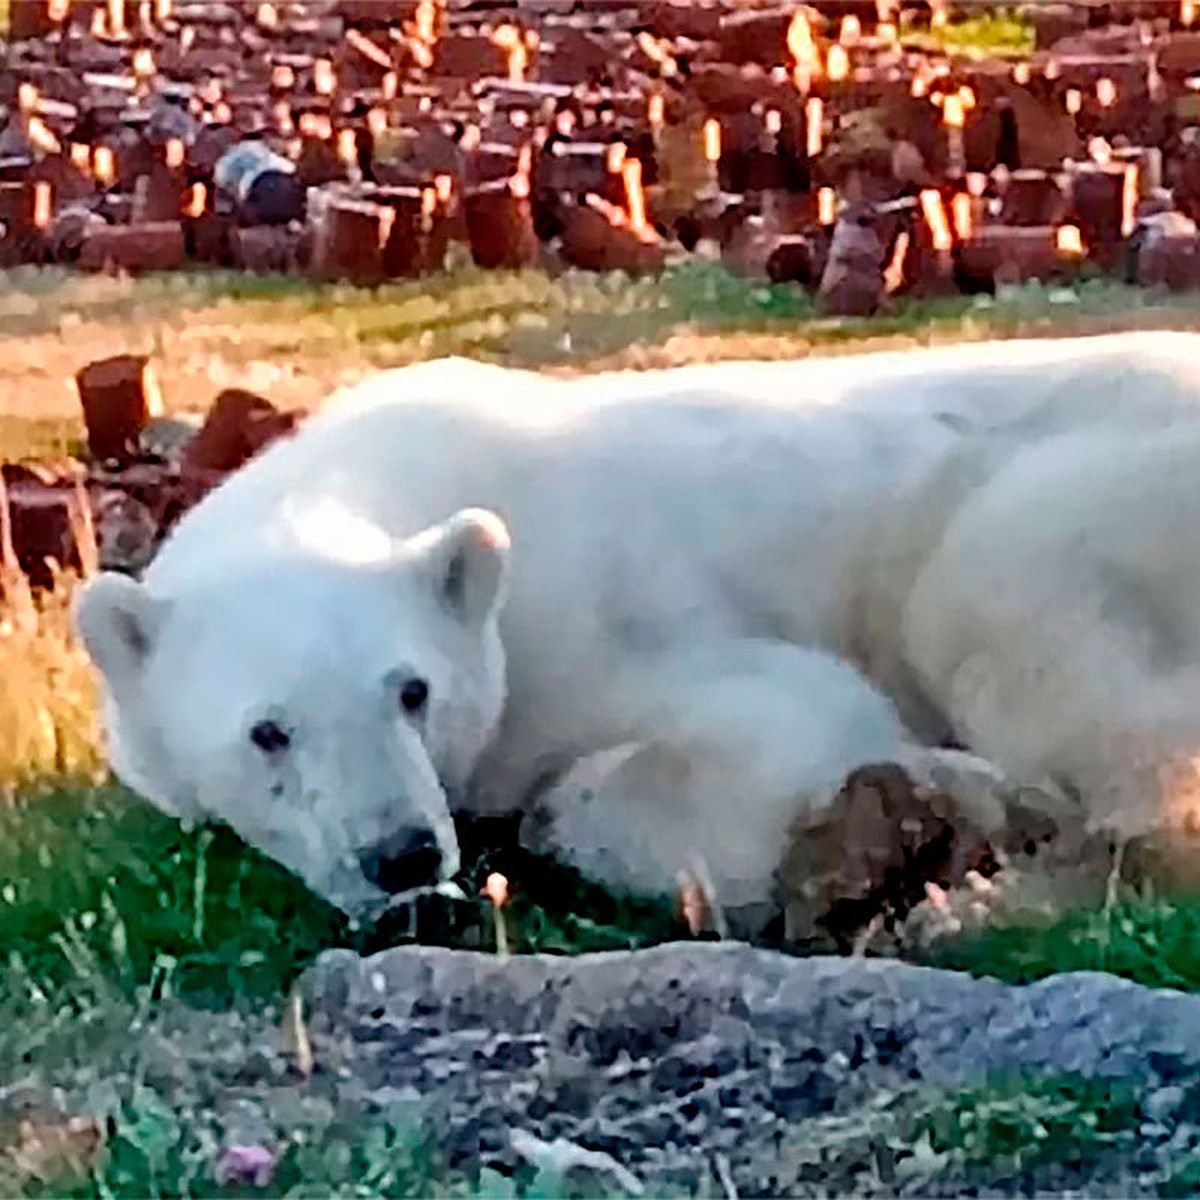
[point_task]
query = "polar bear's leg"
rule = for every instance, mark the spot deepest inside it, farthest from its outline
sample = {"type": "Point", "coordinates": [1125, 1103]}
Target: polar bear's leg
{"type": "Point", "coordinates": [1049, 665]}
{"type": "Point", "coordinates": [729, 745]}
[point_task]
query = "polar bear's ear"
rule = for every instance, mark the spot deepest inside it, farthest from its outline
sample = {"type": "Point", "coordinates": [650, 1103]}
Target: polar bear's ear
{"type": "Point", "coordinates": [117, 621]}
{"type": "Point", "coordinates": [468, 557]}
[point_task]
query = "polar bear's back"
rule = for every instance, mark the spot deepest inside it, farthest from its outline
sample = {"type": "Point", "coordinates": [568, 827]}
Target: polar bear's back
{"type": "Point", "coordinates": [415, 443]}
{"type": "Point", "coordinates": [902, 380]}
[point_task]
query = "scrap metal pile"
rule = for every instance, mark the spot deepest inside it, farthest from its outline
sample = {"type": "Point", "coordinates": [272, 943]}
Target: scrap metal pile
{"type": "Point", "coordinates": [363, 140]}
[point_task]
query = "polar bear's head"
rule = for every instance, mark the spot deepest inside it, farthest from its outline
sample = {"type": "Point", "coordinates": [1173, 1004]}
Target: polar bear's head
{"type": "Point", "coordinates": [325, 706]}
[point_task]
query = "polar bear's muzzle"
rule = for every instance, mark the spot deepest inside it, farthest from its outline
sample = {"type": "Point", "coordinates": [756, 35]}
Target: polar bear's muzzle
{"type": "Point", "coordinates": [404, 861]}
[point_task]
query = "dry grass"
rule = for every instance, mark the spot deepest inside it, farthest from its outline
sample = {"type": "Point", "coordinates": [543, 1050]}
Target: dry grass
{"type": "Point", "coordinates": [47, 704]}
{"type": "Point", "coordinates": [294, 341]}
{"type": "Point", "coordinates": [288, 339]}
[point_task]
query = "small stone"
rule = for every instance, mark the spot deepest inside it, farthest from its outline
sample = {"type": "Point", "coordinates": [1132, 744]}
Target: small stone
{"type": "Point", "coordinates": [125, 533]}
{"type": "Point", "coordinates": [814, 1091]}
{"type": "Point", "coordinates": [246, 1164]}
{"type": "Point", "coordinates": [1162, 1105]}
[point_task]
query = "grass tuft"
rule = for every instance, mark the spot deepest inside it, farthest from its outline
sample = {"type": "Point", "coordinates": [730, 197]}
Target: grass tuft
{"type": "Point", "coordinates": [1010, 1132]}
{"type": "Point", "coordinates": [1151, 939]}
{"type": "Point", "coordinates": [995, 32]}
{"type": "Point", "coordinates": [47, 703]}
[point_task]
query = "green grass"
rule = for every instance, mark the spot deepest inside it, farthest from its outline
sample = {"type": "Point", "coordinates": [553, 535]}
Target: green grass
{"type": "Point", "coordinates": [1021, 1122]}
{"type": "Point", "coordinates": [100, 886]}
{"type": "Point", "coordinates": [1152, 940]}
{"type": "Point", "coordinates": [1012, 1127]}
{"type": "Point", "coordinates": [1017, 1127]}
{"type": "Point", "coordinates": [108, 909]}
{"type": "Point", "coordinates": [99, 889]}
{"type": "Point", "coordinates": [995, 32]}
{"type": "Point", "coordinates": [156, 1151]}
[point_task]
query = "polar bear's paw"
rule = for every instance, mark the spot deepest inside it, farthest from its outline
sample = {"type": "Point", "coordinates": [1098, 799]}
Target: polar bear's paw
{"type": "Point", "coordinates": [944, 913]}
{"type": "Point", "coordinates": [1066, 874]}
{"type": "Point", "coordinates": [917, 850]}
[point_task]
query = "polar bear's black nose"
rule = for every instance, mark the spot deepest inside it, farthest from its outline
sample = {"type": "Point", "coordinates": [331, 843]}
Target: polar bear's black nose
{"type": "Point", "coordinates": [406, 859]}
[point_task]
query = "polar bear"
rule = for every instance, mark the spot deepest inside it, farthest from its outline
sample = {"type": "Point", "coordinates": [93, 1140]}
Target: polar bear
{"type": "Point", "coordinates": [460, 583]}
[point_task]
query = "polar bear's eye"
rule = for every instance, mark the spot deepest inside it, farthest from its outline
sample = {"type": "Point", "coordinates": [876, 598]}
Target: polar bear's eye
{"type": "Point", "coordinates": [269, 737]}
{"type": "Point", "coordinates": [413, 694]}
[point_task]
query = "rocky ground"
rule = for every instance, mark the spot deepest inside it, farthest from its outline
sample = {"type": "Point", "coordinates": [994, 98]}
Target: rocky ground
{"type": "Point", "coordinates": [689, 1069]}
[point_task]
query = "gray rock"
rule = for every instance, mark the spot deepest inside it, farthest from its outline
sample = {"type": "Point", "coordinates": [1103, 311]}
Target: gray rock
{"type": "Point", "coordinates": [691, 1069]}
{"type": "Point", "coordinates": [1163, 1104]}
{"type": "Point", "coordinates": [657, 1056]}
{"type": "Point", "coordinates": [724, 998]}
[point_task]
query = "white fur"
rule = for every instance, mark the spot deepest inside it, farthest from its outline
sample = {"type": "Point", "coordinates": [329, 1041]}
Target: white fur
{"type": "Point", "coordinates": [729, 744]}
{"type": "Point", "coordinates": [893, 510]}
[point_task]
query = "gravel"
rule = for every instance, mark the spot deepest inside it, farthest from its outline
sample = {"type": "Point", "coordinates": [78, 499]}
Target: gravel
{"type": "Point", "coordinates": [688, 1068]}
{"type": "Point", "coordinates": [671, 1058]}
